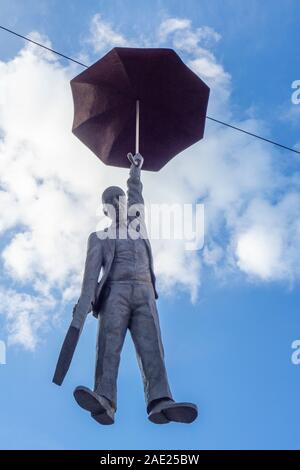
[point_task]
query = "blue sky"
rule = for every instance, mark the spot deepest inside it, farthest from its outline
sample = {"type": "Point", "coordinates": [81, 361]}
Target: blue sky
{"type": "Point", "coordinates": [230, 350]}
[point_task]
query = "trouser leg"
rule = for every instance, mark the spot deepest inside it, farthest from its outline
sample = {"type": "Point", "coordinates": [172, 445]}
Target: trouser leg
{"type": "Point", "coordinates": [113, 323]}
{"type": "Point", "coordinates": [145, 331]}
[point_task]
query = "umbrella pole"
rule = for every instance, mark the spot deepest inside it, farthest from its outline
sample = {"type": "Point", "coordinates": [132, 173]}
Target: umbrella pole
{"type": "Point", "coordinates": [137, 126]}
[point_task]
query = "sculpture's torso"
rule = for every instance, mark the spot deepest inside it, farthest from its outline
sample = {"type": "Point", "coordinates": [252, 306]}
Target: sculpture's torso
{"type": "Point", "coordinates": [131, 261]}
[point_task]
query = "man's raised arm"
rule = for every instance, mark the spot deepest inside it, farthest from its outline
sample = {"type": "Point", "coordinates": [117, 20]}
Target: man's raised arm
{"type": "Point", "coordinates": [134, 184]}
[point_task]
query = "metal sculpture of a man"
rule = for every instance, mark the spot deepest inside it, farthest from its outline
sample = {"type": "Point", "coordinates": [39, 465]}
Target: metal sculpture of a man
{"type": "Point", "coordinates": [123, 299]}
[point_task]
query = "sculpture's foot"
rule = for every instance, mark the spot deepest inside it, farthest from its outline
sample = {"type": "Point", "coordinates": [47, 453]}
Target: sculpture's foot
{"type": "Point", "coordinates": [98, 406]}
{"type": "Point", "coordinates": [168, 410]}
{"type": "Point", "coordinates": [105, 418]}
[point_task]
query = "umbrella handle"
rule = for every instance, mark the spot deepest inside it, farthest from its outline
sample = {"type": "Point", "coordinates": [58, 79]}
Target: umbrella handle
{"type": "Point", "coordinates": [137, 126]}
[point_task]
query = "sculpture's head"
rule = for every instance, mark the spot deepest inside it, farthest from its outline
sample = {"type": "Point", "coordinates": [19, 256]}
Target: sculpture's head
{"type": "Point", "coordinates": [114, 202]}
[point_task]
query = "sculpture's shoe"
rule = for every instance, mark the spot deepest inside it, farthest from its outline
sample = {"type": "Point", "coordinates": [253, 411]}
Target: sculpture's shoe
{"type": "Point", "coordinates": [104, 418]}
{"type": "Point", "coordinates": [168, 410]}
{"type": "Point", "coordinates": [99, 406]}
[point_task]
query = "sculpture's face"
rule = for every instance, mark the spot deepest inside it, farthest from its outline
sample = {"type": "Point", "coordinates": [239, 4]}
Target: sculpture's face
{"type": "Point", "coordinates": [114, 203]}
{"type": "Point", "coordinates": [115, 208]}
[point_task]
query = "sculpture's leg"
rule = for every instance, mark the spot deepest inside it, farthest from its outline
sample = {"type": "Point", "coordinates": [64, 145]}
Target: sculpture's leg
{"type": "Point", "coordinates": [145, 331]}
{"type": "Point", "coordinates": [113, 323]}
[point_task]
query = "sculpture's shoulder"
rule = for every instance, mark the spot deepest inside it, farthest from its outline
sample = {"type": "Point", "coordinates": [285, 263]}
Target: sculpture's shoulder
{"type": "Point", "coordinates": [96, 238]}
{"type": "Point", "coordinates": [92, 237]}
{"type": "Point", "coordinates": [100, 237]}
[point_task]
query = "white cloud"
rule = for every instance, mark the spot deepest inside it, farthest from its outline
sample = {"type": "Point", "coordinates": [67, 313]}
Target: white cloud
{"type": "Point", "coordinates": [259, 252]}
{"type": "Point", "coordinates": [170, 25]}
{"type": "Point", "coordinates": [197, 44]}
{"type": "Point", "coordinates": [268, 238]}
{"type": "Point", "coordinates": [50, 186]}
{"type": "Point", "coordinates": [26, 316]}
{"type": "Point", "coordinates": [185, 36]}
{"type": "Point", "coordinates": [103, 36]}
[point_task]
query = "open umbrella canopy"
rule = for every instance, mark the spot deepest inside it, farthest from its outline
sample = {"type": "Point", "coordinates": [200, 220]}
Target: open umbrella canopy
{"type": "Point", "coordinates": [172, 102]}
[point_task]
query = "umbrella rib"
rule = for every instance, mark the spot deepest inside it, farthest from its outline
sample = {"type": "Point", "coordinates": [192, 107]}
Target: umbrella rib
{"type": "Point", "coordinates": [121, 130]}
{"type": "Point", "coordinates": [95, 116]}
{"type": "Point", "coordinates": [104, 85]}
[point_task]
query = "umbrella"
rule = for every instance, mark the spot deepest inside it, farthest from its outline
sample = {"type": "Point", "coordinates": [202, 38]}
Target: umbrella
{"type": "Point", "coordinates": [145, 99]}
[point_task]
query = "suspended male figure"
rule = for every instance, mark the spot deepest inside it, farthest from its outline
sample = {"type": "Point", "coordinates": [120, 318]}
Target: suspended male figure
{"type": "Point", "coordinates": [125, 298]}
